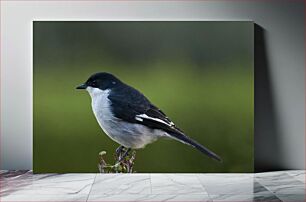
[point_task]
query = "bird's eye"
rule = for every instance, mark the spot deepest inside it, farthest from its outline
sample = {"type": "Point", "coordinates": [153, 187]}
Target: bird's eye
{"type": "Point", "coordinates": [94, 83]}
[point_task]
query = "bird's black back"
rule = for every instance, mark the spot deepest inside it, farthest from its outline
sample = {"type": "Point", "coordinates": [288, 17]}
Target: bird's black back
{"type": "Point", "coordinates": [127, 103]}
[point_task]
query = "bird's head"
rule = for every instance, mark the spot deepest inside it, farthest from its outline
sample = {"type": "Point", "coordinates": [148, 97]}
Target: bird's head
{"type": "Point", "coordinates": [100, 81]}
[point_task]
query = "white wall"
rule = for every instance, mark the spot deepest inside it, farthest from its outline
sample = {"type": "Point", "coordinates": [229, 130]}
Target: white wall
{"type": "Point", "coordinates": [283, 23]}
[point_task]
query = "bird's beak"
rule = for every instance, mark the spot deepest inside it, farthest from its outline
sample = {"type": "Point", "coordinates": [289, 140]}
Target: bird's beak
{"type": "Point", "coordinates": [82, 86]}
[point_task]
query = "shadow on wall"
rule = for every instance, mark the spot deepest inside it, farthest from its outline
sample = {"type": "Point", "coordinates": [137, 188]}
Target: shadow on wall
{"type": "Point", "coordinates": [266, 143]}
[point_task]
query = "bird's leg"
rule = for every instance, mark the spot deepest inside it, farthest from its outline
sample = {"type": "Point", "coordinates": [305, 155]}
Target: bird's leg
{"type": "Point", "coordinates": [119, 153]}
{"type": "Point", "coordinates": [119, 150]}
{"type": "Point", "coordinates": [125, 154]}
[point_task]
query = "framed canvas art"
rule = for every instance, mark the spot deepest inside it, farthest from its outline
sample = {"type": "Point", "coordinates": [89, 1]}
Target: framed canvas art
{"type": "Point", "coordinates": [143, 96]}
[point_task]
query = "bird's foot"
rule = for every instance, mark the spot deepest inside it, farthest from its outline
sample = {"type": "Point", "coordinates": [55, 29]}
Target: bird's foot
{"type": "Point", "coordinates": [119, 150]}
{"type": "Point", "coordinates": [125, 154]}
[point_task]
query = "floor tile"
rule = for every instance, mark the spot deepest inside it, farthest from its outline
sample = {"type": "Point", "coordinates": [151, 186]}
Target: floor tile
{"type": "Point", "coordinates": [121, 184]}
{"type": "Point", "coordinates": [261, 193]}
{"type": "Point", "coordinates": [266, 198]}
{"type": "Point", "coordinates": [259, 189]}
{"type": "Point", "coordinates": [47, 184]}
{"type": "Point", "coordinates": [287, 186]}
{"type": "Point", "coordinates": [281, 183]}
{"type": "Point", "coordinates": [230, 197]}
{"type": "Point", "coordinates": [245, 198]}
{"type": "Point", "coordinates": [15, 180]}
{"type": "Point", "coordinates": [292, 197]}
{"type": "Point", "coordinates": [43, 198]}
{"type": "Point", "coordinates": [175, 184]}
{"type": "Point", "coordinates": [3, 171]}
{"type": "Point", "coordinates": [270, 174]}
{"type": "Point", "coordinates": [298, 175]}
{"type": "Point", "coordinates": [150, 197]}
{"type": "Point", "coordinates": [227, 184]}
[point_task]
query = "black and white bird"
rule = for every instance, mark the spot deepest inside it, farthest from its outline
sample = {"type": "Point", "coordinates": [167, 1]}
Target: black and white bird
{"type": "Point", "coordinates": [129, 118]}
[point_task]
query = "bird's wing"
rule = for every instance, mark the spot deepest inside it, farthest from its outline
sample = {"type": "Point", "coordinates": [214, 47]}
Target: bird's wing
{"type": "Point", "coordinates": [130, 105]}
{"type": "Point", "coordinates": [127, 102]}
{"type": "Point", "coordinates": [135, 108]}
{"type": "Point", "coordinates": [155, 118]}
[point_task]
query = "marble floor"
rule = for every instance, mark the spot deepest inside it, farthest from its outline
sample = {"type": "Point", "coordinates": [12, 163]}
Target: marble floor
{"type": "Point", "coordinates": [270, 186]}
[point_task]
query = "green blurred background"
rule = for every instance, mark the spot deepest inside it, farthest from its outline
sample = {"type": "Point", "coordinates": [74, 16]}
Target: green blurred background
{"type": "Point", "coordinates": [199, 73]}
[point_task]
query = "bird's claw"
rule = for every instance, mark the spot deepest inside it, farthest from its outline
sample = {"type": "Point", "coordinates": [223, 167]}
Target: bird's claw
{"type": "Point", "coordinates": [125, 154]}
{"type": "Point", "coordinates": [119, 150]}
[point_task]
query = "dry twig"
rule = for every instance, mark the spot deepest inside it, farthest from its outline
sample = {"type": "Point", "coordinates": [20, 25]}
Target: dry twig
{"type": "Point", "coordinates": [122, 164]}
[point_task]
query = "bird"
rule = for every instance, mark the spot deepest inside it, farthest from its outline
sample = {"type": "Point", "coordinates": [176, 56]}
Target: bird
{"type": "Point", "coordinates": [129, 118]}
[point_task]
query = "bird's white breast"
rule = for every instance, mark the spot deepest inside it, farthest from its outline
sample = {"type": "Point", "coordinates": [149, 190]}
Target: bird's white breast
{"type": "Point", "coordinates": [101, 108]}
{"type": "Point", "coordinates": [130, 135]}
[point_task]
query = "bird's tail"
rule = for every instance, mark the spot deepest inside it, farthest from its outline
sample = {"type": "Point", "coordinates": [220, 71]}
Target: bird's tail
{"type": "Point", "coordinates": [187, 140]}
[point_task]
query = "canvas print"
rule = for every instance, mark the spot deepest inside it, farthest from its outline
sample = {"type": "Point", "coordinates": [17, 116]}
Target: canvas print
{"type": "Point", "coordinates": [143, 96]}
